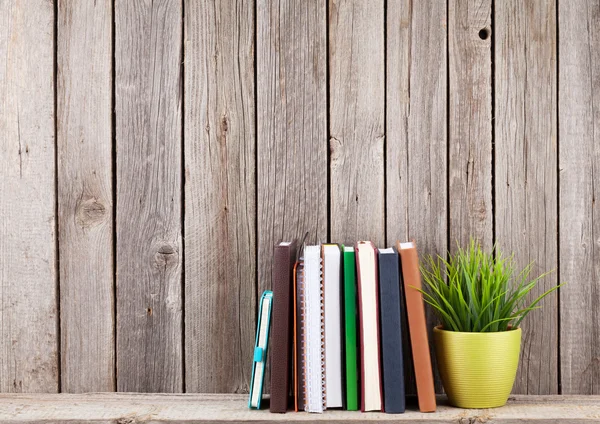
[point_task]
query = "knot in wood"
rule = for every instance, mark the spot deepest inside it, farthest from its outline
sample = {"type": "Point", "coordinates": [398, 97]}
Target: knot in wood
{"type": "Point", "coordinates": [166, 256]}
{"type": "Point", "coordinates": [481, 211]}
{"type": "Point", "coordinates": [224, 124]}
{"type": "Point", "coordinates": [89, 212]}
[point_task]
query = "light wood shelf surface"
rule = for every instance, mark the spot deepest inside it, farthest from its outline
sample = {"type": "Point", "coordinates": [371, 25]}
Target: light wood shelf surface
{"type": "Point", "coordinates": [129, 408]}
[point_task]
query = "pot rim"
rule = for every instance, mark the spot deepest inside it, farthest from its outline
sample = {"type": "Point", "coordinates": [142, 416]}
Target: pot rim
{"type": "Point", "coordinates": [438, 328]}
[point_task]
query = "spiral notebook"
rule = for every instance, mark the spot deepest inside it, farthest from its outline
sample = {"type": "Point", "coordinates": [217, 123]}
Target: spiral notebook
{"type": "Point", "coordinates": [298, 348]}
{"type": "Point", "coordinates": [333, 324]}
{"type": "Point", "coordinates": [312, 323]}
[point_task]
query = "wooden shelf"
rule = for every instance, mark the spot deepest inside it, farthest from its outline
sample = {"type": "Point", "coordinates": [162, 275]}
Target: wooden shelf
{"type": "Point", "coordinates": [129, 408]}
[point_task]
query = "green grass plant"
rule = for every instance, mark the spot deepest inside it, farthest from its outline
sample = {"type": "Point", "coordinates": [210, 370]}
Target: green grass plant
{"type": "Point", "coordinates": [474, 291]}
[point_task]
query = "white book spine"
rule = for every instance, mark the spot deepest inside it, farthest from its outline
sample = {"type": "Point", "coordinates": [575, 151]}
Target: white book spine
{"type": "Point", "coordinates": [314, 359]}
{"type": "Point", "coordinates": [333, 325]}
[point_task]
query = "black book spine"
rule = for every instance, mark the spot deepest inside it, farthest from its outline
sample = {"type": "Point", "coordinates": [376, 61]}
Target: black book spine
{"type": "Point", "coordinates": [391, 333]}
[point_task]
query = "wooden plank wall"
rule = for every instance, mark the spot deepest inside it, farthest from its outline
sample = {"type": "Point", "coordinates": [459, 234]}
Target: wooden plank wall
{"type": "Point", "coordinates": [579, 219]}
{"type": "Point", "coordinates": [85, 195]}
{"type": "Point", "coordinates": [148, 101]}
{"type": "Point", "coordinates": [29, 314]}
{"type": "Point", "coordinates": [525, 172]}
{"type": "Point", "coordinates": [357, 117]}
{"type": "Point", "coordinates": [220, 204]}
{"type": "Point", "coordinates": [291, 99]}
{"type": "Point", "coordinates": [153, 153]}
{"type": "Point", "coordinates": [417, 145]}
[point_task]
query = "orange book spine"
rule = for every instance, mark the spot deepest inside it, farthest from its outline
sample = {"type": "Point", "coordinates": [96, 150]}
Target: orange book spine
{"type": "Point", "coordinates": [417, 326]}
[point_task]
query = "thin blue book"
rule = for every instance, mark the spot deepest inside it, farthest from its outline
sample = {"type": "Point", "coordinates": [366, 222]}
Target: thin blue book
{"type": "Point", "coordinates": [259, 361]}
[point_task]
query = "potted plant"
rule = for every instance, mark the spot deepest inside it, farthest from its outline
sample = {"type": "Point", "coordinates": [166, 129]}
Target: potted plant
{"type": "Point", "coordinates": [480, 301]}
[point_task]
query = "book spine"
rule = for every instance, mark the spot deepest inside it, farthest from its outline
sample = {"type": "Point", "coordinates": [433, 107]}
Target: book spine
{"type": "Point", "coordinates": [350, 330]}
{"type": "Point", "coordinates": [417, 328]}
{"type": "Point", "coordinates": [322, 298]}
{"type": "Point", "coordinates": [303, 388]}
{"type": "Point", "coordinates": [360, 329]}
{"type": "Point", "coordinates": [391, 336]}
{"type": "Point", "coordinates": [280, 359]}
{"type": "Point", "coordinates": [314, 342]}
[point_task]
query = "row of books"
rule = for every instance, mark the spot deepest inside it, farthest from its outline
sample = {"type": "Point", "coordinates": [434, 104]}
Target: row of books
{"type": "Point", "coordinates": [336, 338]}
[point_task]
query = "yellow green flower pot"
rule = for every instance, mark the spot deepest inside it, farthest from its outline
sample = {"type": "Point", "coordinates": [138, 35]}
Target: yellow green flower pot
{"type": "Point", "coordinates": [478, 369]}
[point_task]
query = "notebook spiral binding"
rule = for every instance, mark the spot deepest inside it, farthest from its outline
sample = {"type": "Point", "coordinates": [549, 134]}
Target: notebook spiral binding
{"type": "Point", "coordinates": [313, 318]}
{"type": "Point", "coordinates": [303, 336]}
{"type": "Point", "coordinates": [322, 299]}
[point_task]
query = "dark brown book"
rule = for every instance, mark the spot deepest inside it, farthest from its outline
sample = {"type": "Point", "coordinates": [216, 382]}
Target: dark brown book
{"type": "Point", "coordinates": [281, 333]}
{"type": "Point", "coordinates": [417, 325]}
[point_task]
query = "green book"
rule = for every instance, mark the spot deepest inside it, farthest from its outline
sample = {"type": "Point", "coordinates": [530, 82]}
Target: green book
{"type": "Point", "coordinates": [350, 328]}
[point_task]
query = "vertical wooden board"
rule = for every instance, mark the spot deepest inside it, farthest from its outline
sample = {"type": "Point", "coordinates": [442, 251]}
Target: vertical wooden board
{"type": "Point", "coordinates": [84, 145]}
{"type": "Point", "coordinates": [291, 75]}
{"type": "Point", "coordinates": [416, 121]}
{"type": "Point", "coordinates": [357, 133]}
{"type": "Point", "coordinates": [28, 277]}
{"type": "Point", "coordinates": [416, 124]}
{"type": "Point", "coordinates": [292, 126]}
{"type": "Point", "coordinates": [148, 90]}
{"type": "Point", "coordinates": [579, 164]}
{"type": "Point", "coordinates": [397, 57]}
{"type": "Point", "coordinates": [525, 171]}
{"type": "Point", "coordinates": [470, 122]}
{"type": "Point", "coordinates": [220, 212]}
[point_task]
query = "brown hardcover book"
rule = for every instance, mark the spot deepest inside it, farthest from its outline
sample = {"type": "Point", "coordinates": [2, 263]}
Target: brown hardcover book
{"type": "Point", "coordinates": [281, 333]}
{"type": "Point", "coordinates": [417, 325]}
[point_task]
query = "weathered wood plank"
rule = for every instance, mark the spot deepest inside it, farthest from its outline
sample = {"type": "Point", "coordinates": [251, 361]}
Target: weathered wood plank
{"type": "Point", "coordinates": [525, 171]}
{"type": "Point", "coordinates": [416, 107]}
{"type": "Point", "coordinates": [28, 276]}
{"type": "Point", "coordinates": [101, 408]}
{"type": "Point", "coordinates": [291, 64]}
{"type": "Point", "coordinates": [579, 164]}
{"type": "Point", "coordinates": [220, 210]}
{"type": "Point", "coordinates": [357, 133]}
{"type": "Point", "coordinates": [84, 146]}
{"type": "Point", "coordinates": [470, 136]}
{"type": "Point", "coordinates": [149, 250]}
{"type": "Point", "coordinates": [292, 126]}
{"type": "Point", "coordinates": [397, 55]}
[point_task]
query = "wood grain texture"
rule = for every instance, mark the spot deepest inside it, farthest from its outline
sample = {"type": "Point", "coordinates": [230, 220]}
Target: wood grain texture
{"type": "Point", "coordinates": [525, 171]}
{"type": "Point", "coordinates": [397, 55]}
{"type": "Point", "coordinates": [470, 122]}
{"type": "Point", "coordinates": [124, 408]}
{"type": "Point", "coordinates": [149, 250]}
{"type": "Point", "coordinates": [416, 108]}
{"type": "Point", "coordinates": [28, 276]}
{"type": "Point", "coordinates": [356, 111]}
{"type": "Point", "coordinates": [579, 164]}
{"type": "Point", "coordinates": [220, 211]}
{"type": "Point", "coordinates": [84, 146]}
{"type": "Point", "coordinates": [292, 126]}
{"type": "Point", "coordinates": [291, 75]}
